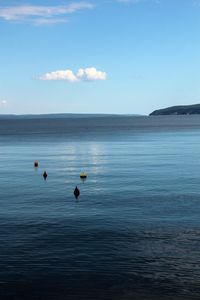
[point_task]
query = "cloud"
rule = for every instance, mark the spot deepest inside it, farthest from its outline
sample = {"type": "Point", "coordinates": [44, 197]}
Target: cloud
{"type": "Point", "coordinates": [60, 75]}
{"type": "Point", "coordinates": [88, 74]}
{"type": "Point", "coordinates": [51, 21]}
{"type": "Point", "coordinates": [42, 14]}
{"type": "Point", "coordinates": [3, 103]}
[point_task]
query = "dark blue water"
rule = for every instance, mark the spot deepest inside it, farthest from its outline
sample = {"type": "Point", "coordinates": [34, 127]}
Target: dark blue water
{"type": "Point", "coordinates": [134, 232]}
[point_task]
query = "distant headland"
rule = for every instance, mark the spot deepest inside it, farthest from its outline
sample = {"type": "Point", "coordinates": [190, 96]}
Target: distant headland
{"type": "Point", "coordinates": [178, 110]}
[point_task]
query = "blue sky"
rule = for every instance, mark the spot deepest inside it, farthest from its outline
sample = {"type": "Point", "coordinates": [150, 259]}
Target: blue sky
{"type": "Point", "coordinates": [108, 56]}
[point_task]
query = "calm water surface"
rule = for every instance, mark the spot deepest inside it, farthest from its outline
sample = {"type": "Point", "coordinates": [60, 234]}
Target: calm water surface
{"type": "Point", "coordinates": [134, 232]}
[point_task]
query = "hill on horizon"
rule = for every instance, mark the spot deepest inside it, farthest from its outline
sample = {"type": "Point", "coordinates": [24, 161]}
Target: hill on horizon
{"type": "Point", "coordinates": [178, 110]}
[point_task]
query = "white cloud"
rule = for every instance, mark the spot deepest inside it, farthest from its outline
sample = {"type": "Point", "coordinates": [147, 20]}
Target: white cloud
{"type": "Point", "coordinates": [41, 14]}
{"type": "Point", "coordinates": [88, 74]}
{"type": "Point", "coordinates": [60, 75]}
{"type": "Point", "coordinates": [51, 21]}
{"type": "Point", "coordinates": [3, 103]}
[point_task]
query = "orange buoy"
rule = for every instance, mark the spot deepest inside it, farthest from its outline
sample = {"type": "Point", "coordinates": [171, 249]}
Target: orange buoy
{"type": "Point", "coordinates": [76, 192]}
{"type": "Point", "coordinates": [45, 175]}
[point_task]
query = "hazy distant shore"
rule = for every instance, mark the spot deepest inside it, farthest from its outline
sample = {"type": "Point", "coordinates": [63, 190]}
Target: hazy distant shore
{"type": "Point", "coordinates": [61, 116]}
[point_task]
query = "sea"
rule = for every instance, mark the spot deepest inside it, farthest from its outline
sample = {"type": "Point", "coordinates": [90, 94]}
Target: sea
{"type": "Point", "coordinates": [134, 231]}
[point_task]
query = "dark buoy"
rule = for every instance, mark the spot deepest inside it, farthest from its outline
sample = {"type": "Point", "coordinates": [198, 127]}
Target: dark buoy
{"type": "Point", "coordinates": [35, 163]}
{"type": "Point", "coordinates": [45, 175]}
{"type": "Point", "coordinates": [76, 192]}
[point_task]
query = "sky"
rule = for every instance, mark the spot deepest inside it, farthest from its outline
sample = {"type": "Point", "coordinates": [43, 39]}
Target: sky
{"type": "Point", "coordinates": [98, 56]}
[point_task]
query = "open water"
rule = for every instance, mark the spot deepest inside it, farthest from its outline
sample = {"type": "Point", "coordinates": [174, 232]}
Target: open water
{"type": "Point", "coordinates": [134, 232]}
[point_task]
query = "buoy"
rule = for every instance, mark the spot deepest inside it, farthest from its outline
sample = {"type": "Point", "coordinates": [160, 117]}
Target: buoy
{"type": "Point", "coordinates": [45, 175]}
{"type": "Point", "coordinates": [35, 163]}
{"type": "Point", "coordinates": [83, 175]}
{"type": "Point", "coordinates": [76, 192]}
